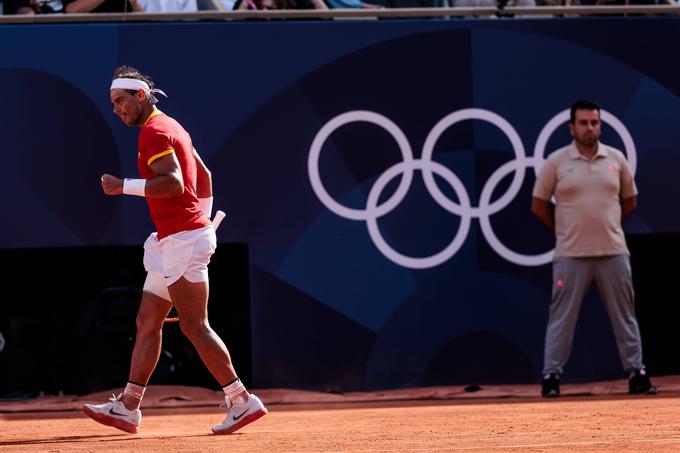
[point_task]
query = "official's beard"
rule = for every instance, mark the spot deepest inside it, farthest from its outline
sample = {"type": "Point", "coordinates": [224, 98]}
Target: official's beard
{"type": "Point", "coordinates": [587, 140]}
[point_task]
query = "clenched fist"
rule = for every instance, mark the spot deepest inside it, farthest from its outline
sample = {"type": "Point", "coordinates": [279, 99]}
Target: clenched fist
{"type": "Point", "coordinates": [112, 185]}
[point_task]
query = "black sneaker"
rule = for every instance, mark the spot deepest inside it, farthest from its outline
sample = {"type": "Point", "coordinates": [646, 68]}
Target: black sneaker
{"type": "Point", "coordinates": [550, 386]}
{"type": "Point", "coordinates": [639, 384]}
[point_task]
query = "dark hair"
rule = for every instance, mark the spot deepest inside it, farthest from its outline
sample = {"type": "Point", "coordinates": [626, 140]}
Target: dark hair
{"type": "Point", "coordinates": [582, 105]}
{"type": "Point", "coordinates": [129, 72]}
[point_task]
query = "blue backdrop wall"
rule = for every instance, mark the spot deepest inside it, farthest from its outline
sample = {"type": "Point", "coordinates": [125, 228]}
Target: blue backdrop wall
{"type": "Point", "coordinates": [380, 173]}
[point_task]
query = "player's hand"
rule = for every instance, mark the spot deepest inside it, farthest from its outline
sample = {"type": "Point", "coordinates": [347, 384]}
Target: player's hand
{"type": "Point", "coordinates": [112, 185]}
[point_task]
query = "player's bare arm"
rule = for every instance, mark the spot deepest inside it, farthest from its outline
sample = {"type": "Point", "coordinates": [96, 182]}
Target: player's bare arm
{"type": "Point", "coordinates": [203, 178]}
{"type": "Point", "coordinates": [168, 181]}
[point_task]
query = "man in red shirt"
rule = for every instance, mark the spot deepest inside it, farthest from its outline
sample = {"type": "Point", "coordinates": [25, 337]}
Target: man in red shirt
{"type": "Point", "coordinates": [177, 187]}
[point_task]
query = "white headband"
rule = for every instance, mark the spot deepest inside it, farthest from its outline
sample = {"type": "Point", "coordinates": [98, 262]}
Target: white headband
{"type": "Point", "coordinates": [134, 84]}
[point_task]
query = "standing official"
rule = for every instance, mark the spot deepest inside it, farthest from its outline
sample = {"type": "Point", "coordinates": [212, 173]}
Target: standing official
{"type": "Point", "coordinates": [594, 192]}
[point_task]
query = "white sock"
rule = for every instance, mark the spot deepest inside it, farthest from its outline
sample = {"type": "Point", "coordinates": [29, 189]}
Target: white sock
{"type": "Point", "coordinates": [133, 394]}
{"type": "Point", "coordinates": [236, 392]}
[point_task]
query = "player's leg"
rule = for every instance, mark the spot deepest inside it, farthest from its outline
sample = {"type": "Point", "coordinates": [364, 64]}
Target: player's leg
{"type": "Point", "coordinates": [191, 302]}
{"type": "Point", "coordinates": [187, 254]}
{"type": "Point", "coordinates": [122, 411]}
{"type": "Point", "coordinates": [153, 309]}
{"type": "Point", "coordinates": [147, 348]}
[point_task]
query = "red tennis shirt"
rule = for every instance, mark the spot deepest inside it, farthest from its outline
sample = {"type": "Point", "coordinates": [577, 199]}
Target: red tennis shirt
{"type": "Point", "coordinates": [158, 137]}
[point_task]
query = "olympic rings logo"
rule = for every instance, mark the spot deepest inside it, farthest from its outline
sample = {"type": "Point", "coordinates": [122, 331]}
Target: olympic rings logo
{"type": "Point", "coordinates": [428, 168]}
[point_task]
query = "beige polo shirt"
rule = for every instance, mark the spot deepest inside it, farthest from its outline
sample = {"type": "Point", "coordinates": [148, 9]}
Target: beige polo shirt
{"type": "Point", "coordinates": [588, 196]}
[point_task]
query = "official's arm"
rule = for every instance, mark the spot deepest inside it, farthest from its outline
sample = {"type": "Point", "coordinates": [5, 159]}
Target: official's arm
{"type": "Point", "coordinates": [544, 211]}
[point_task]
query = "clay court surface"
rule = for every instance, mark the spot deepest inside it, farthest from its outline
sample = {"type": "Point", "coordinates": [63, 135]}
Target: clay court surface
{"type": "Point", "coordinates": [596, 417]}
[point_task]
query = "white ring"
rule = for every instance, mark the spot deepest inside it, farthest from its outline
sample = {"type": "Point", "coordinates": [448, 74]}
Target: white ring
{"type": "Point", "coordinates": [485, 221]}
{"type": "Point", "coordinates": [374, 230]}
{"type": "Point", "coordinates": [472, 114]}
{"type": "Point", "coordinates": [315, 151]}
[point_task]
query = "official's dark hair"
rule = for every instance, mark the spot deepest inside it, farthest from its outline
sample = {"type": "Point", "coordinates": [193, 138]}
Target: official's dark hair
{"type": "Point", "coordinates": [582, 105]}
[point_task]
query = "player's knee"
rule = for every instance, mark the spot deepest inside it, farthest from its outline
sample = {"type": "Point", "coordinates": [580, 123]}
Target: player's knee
{"type": "Point", "coordinates": [147, 327]}
{"type": "Point", "coordinates": [194, 329]}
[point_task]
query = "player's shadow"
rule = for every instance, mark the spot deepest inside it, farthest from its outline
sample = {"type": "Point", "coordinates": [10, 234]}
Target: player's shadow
{"type": "Point", "coordinates": [55, 440]}
{"type": "Point", "coordinates": [117, 437]}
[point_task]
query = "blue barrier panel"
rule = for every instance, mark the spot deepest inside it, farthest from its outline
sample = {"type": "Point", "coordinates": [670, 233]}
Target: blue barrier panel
{"type": "Point", "coordinates": [379, 171]}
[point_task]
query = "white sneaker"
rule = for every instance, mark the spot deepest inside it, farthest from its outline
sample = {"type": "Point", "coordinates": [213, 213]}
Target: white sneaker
{"type": "Point", "coordinates": [115, 414]}
{"type": "Point", "coordinates": [239, 415]}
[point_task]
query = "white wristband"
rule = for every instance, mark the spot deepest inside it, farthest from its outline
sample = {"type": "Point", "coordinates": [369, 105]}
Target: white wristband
{"type": "Point", "coordinates": [134, 187]}
{"type": "Point", "coordinates": [206, 205]}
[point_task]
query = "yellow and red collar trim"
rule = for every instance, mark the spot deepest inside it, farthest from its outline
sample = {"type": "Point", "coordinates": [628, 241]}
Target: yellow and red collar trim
{"type": "Point", "coordinates": [154, 113]}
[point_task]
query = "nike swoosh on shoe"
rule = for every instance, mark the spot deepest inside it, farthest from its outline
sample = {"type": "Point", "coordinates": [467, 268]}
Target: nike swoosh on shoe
{"type": "Point", "coordinates": [236, 417]}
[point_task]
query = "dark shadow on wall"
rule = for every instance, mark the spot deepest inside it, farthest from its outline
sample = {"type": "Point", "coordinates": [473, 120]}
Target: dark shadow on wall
{"type": "Point", "coordinates": [479, 358]}
{"type": "Point", "coordinates": [48, 126]}
{"type": "Point", "coordinates": [70, 327]}
{"type": "Point", "coordinates": [654, 259]}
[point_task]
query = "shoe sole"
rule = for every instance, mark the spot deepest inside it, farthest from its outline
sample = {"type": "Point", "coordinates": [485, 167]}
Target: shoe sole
{"type": "Point", "coordinates": [246, 420]}
{"type": "Point", "coordinates": [110, 421]}
{"type": "Point", "coordinates": [651, 391]}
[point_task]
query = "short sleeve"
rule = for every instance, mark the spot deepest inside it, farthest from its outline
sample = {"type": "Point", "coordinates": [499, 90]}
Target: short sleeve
{"type": "Point", "coordinates": [154, 144]}
{"type": "Point", "coordinates": [544, 188]}
{"type": "Point", "coordinates": [628, 187]}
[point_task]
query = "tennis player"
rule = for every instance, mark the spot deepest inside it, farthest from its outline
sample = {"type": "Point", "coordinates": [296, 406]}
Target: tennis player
{"type": "Point", "coordinates": [177, 187]}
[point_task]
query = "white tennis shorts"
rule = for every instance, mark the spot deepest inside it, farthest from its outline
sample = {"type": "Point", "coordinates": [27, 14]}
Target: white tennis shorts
{"type": "Point", "coordinates": [184, 254]}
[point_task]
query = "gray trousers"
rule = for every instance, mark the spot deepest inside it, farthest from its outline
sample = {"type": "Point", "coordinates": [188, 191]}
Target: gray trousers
{"type": "Point", "coordinates": [572, 277]}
